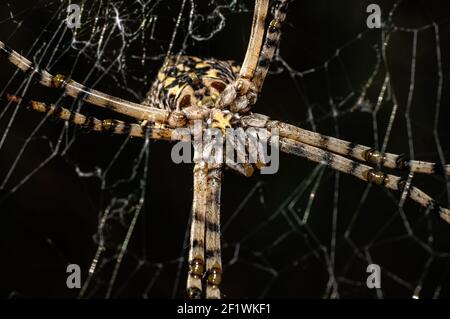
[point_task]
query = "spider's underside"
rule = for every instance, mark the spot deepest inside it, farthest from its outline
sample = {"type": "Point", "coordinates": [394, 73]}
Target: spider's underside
{"type": "Point", "coordinates": [189, 89]}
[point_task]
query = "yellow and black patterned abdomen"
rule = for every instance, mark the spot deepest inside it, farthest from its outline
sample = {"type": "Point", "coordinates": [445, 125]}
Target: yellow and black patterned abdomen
{"type": "Point", "coordinates": [190, 81]}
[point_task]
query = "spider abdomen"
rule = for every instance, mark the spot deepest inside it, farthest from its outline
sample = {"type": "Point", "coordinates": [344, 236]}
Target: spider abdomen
{"type": "Point", "coordinates": [185, 81]}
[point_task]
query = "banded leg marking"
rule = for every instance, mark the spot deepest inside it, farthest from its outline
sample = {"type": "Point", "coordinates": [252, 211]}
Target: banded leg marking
{"type": "Point", "coordinates": [75, 89]}
{"type": "Point", "coordinates": [92, 123]}
{"type": "Point", "coordinates": [197, 236]}
{"type": "Point", "coordinates": [271, 43]}
{"type": "Point", "coordinates": [256, 38]}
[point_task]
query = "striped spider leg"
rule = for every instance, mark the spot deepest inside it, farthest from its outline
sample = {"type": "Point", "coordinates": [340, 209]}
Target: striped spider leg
{"type": "Point", "coordinates": [186, 89]}
{"type": "Point", "coordinates": [213, 272]}
{"type": "Point", "coordinates": [271, 43]}
{"type": "Point", "coordinates": [356, 151]}
{"type": "Point", "coordinates": [334, 153]}
{"type": "Point", "coordinates": [220, 94]}
{"type": "Point", "coordinates": [155, 131]}
{"type": "Point", "coordinates": [242, 93]}
{"type": "Point", "coordinates": [196, 258]}
{"type": "Point", "coordinates": [205, 232]}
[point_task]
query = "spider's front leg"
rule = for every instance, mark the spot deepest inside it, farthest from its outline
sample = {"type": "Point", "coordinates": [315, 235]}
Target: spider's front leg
{"type": "Point", "coordinates": [242, 92]}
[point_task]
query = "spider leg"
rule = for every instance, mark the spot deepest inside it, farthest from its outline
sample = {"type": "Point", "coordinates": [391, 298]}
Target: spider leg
{"type": "Point", "coordinates": [212, 252]}
{"type": "Point", "coordinates": [77, 90]}
{"type": "Point", "coordinates": [242, 92]}
{"type": "Point", "coordinates": [359, 152]}
{"type": "Point", "coordinates": [204, 251]}
{"type": "Point", "coordinates": [271, 43]}
{"type": "Point", "coordinates": [197, 236]}
{"type": "Point", "coordinates": [155, 131]}
{"type": "Point", "coordinates": [363, 172]}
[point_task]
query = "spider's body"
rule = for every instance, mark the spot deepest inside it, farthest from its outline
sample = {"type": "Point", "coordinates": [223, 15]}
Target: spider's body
{"type": "Point", "coordinates": [193, 86]}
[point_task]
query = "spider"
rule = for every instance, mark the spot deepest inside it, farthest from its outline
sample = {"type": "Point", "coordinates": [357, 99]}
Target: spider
{"type": "Point", "coordinates": [221, 94]}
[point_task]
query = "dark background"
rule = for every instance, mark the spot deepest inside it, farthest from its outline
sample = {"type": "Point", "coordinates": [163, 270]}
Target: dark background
{"type": "Point", "coordinates": [52, 219]}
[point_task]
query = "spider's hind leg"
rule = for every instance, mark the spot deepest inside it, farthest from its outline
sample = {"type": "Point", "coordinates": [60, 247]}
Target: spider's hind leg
{"type": "Point", "coordinates": [197, 238]}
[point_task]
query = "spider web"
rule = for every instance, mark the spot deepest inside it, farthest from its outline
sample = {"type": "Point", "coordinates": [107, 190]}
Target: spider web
{"type": "Point", "coordinates": [119, 207]}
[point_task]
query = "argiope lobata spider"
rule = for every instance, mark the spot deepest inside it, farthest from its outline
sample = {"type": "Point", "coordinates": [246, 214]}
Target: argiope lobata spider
{"type": "Point", "coordinates": [189, 89]}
